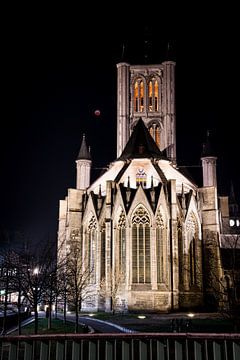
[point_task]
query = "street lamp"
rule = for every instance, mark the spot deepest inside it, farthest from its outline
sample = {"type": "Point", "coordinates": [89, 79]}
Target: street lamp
{"type": "Point", "coordinates": [36, 271]}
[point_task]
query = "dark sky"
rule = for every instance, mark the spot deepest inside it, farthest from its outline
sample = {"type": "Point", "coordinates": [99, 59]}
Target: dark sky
{"type": "Point", "coordinates": [57, 72]}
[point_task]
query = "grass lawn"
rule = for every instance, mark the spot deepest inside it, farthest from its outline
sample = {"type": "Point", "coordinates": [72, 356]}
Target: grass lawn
{"type": "Point", "coordinates": [58, 327]}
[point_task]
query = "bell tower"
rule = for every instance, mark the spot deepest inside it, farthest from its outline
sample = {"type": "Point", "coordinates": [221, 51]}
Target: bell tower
{"type": "Point", "coordinates": [147, 92]}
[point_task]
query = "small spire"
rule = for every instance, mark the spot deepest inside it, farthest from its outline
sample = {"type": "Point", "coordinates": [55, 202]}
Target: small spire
{"type": "Point", "coordinates": [147, 45]}
{"type": "Point", "coordinates": [152, 193]}
{"type": "Point", "coordinates": [128, 183]}
{"type": "Point", "coordinates": [84, 153]}
{"type": "Point", "coordinates": [183, 200]}
{"type": "Point", "coordinates": [206, 146]}
{"type": "Point", "coordinates": [151, 182]}
{"type": "Point", "coordinates": [99, 191]}
{"type": "Point", "coordinates": [99, 200]}
{"type": "Point", "coordinates": [232, 197]}
{"type": "Point", "coordinates": [128, 192]}
{"type": "Point", "coordinates": [123, 52]}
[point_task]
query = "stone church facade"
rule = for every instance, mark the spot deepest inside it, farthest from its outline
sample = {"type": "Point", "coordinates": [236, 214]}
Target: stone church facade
{"type": "Point", "coordinates": [149, 235]}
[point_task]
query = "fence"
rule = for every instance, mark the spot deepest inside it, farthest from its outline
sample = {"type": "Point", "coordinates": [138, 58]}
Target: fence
{"type": "Point", "coordinates": [138, 346]}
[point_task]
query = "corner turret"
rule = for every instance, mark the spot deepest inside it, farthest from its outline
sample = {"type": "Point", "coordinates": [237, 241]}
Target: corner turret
{"type": "Point", "coordinates": [83, 164]}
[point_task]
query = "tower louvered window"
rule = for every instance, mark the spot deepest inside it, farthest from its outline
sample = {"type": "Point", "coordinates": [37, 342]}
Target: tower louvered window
{"type": "Point", "coordinates": [139, 96]}
{"type": "Point", "coordinates": [153, 95]}
{"type": "Point", "coordinates": [141, 246]}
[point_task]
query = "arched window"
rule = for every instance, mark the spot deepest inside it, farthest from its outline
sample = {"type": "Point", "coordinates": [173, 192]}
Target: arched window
{"type": "Point", "coordinates": [192, 261]}
{"type": "Point", "coordinates": [153, 95]}
{"type": "Point", "coordinates": [139, 96]}
{"type": "Point", "coordinates": [180, 252]}
{"type": "Point", "coordinates": [154, 130]}
{"type": "Point", "coordinates": [121, 236]}
{"type": "Point", "coordinates": [160, 246]}
{"type": "Point", "coordinates": [91, 248]}
{"type": "Point", "coordinates": [141, 246]}
{"type": "Point", "coordinates": [192, 254]}
{"type": "Point", "coordinates": [103, 248]}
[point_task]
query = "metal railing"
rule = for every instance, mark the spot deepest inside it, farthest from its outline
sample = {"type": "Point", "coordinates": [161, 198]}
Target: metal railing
{"type": "Point", "coordinates": [138, 346]}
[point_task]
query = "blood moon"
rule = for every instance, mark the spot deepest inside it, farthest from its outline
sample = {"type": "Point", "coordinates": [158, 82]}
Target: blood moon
{"type": "Point", "coordinates": [97, 112]}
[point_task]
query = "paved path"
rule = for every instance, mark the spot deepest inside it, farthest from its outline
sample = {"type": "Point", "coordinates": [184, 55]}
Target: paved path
{"type": "Point", "coordinates": [98, 325]}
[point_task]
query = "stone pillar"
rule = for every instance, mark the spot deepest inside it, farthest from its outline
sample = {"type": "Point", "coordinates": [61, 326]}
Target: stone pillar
{"type": "Point", "coordinates": [169, 109]}
{"type": "Point", "coordinates": [108, 249]}
{"type": "Point", "coordinates": [174, 246]}
{"type": "Point", "coordinates": [123, 107]}
{"type": "Point", "coordinates": [209, 171]}
{"type": "Point", "coordinates": [212, 270]}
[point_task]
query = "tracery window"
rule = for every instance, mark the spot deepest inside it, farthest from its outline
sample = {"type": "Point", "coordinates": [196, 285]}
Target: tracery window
{"type": "Point", "coordinates": [141, 246]}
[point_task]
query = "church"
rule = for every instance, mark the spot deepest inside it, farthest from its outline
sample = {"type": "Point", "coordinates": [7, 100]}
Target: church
{"type": "Point", "coordinates": [151, 239]}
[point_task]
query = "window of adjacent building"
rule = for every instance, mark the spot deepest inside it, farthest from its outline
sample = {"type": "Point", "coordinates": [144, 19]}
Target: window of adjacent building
{"type": "Point", "coordinates": [154, 130]}
{"type": "Point", "coordinates": [141, 246]}
{"type": "Point", "coordinates": [237, 222]}
{"type": "Point", "coordinates": [231, 222]}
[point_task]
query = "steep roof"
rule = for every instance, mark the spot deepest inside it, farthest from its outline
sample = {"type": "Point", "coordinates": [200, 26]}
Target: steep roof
{"type": "Point", "coordinates": [84, 153]}
{"type": "Point", "coordinates": [141, 144]}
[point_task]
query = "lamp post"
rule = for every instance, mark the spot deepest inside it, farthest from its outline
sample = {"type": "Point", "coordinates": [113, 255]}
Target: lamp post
{"type": "Point", "coordinates": [35, 289]}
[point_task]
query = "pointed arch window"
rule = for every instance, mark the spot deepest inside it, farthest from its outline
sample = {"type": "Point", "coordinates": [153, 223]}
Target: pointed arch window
{"type": "Point", "coordinates": [154, 130]}
{"type": "Point", "coordinates": [141, 246]}
{"type": "Point", "coordinates": [192, 261]}
{"type": "Point", "coordinates": [91, 248]}
{"type": "Point", "coordinates": [180, 252]}
{"type": "Point", "coordinates": [153, 95]}
{"type": "Point", "coordinates": [192, 253]}
{"type": "Point", "coordinates": [139, 95]}
{"type": "Point", "coordinates": [121, 236]}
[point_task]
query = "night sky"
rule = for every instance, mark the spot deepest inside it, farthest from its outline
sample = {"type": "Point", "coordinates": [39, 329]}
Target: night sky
{"type": "Point", "coordinates": [57, 73]}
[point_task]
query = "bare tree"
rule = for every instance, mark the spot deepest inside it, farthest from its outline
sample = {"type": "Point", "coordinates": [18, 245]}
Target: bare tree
{"type": "Point", "coordinates": [77, 279]}
{"type": "Point", "coordinates": [38, 268]}
{"type": "Point", "coordinates": [112, 290]}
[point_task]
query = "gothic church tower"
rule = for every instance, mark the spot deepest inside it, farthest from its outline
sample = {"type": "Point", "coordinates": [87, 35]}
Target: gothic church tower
{"type": "Point", "coordinates": [147, 91]}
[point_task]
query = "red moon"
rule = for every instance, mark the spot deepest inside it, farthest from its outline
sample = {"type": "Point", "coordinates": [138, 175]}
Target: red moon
{"type": "Point", "coordinates": [97, 112]}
